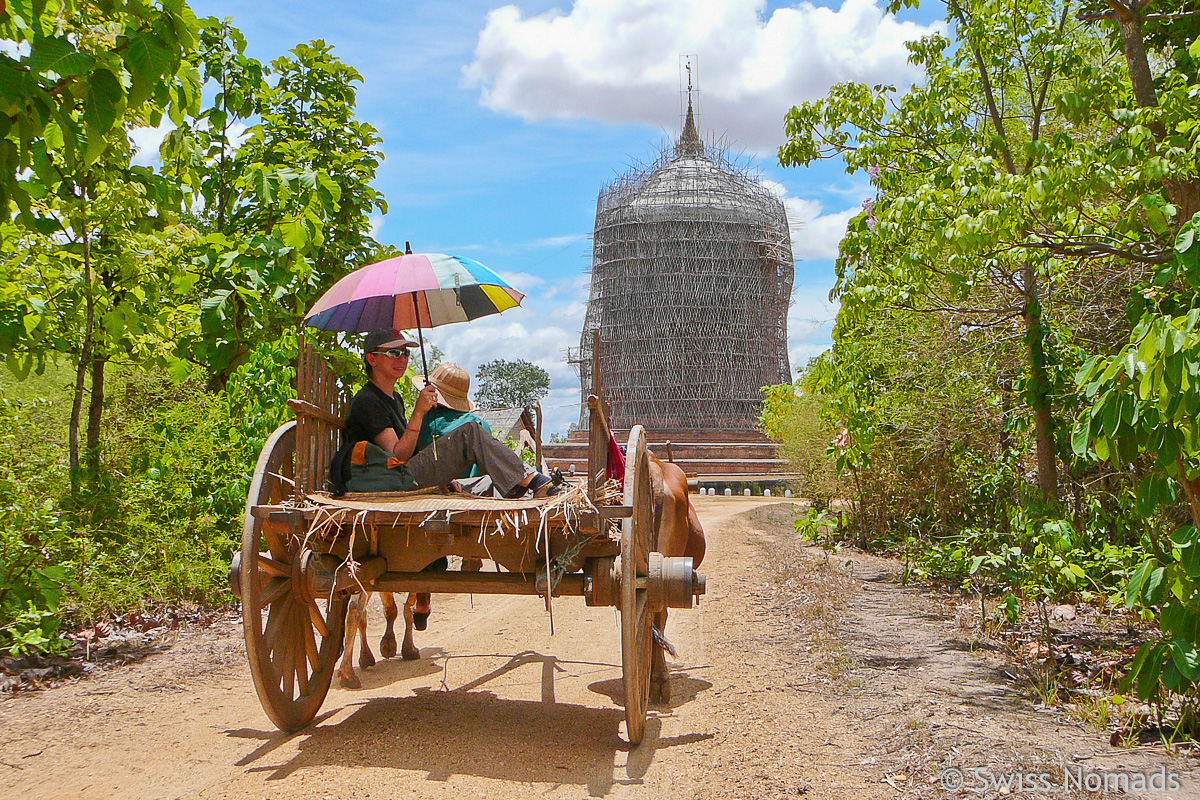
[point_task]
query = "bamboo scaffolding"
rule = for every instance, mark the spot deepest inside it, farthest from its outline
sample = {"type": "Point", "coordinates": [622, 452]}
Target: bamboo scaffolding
{"type": "Point", "coordinates": [691, 282]}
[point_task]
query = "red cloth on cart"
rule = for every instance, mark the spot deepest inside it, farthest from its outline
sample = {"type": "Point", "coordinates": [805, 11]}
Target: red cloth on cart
{"type": "Point", "coordinates": [616, 462]}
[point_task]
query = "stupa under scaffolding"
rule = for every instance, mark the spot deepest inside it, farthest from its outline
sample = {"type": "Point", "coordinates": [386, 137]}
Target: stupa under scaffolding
{"type": "Point", "coordinates": [691, 281]}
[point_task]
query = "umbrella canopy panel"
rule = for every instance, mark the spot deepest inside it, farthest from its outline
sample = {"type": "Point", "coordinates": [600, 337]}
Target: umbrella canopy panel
{"type": "Point", "coordinates": [447, 289]}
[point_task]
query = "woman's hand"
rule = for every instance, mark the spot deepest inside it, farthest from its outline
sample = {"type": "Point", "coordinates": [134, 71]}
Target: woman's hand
{"type": "Point", "coordinates": [426, 400]}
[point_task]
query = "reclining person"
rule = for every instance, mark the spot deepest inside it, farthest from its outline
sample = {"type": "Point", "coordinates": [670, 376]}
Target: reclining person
{"type": "Point", "coordinates": [453, 408]}
{"type": "Point", "coordinates": [379, 451]}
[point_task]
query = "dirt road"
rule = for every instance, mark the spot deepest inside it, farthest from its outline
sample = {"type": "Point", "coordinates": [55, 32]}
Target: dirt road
{"type": "Point", "coordinates": [796, 676]}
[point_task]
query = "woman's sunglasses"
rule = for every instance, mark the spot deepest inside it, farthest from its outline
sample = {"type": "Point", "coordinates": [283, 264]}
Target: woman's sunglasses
{"type": "Point", "coordinates": [393, 353]}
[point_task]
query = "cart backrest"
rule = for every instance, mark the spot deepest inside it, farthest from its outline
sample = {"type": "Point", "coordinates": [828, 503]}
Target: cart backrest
{"type": "Point", "coordinates": [320, 414]}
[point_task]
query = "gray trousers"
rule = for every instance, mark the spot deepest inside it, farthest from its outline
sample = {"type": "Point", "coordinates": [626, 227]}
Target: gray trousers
{"type": "Point", "coordinates": [460, 448]}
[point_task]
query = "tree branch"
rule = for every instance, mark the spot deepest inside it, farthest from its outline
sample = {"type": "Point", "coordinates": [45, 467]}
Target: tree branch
{"type": "Point", "coordinates": [1070, 248]}
{"type": "Point", "coordinates": [1111, 15]}
{"type": "Point", "coordinates": [997, 122]}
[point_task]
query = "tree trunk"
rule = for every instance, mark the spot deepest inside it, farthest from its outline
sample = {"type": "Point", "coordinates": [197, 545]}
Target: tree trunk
{"type": "Point", "coordinates": [95, 413]}
{"type": "Point", "coordinates": [1184, 194]}
{"type": "Point", "coordinates": [1129, 24]}
{"type": "Point", "coordinates": [1038, 392]}
{"type": "Point", "coordinates": [85, 350]}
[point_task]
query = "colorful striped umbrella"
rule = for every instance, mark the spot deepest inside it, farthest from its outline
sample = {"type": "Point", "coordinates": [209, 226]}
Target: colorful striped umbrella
{"type": "Point", "coordinates": [415, 290]}
{"type": "Point", "coordinates": [445, 289]}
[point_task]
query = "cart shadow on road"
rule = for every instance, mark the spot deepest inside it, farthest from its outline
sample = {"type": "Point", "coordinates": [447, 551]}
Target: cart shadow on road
{"type": "Point", "coordinates": [390, 670]}
{"type": "Point", "coordinates": [472, 731]}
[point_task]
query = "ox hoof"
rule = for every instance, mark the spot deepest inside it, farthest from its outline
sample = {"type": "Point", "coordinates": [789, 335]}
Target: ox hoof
{"type": "Point", "coordinates": [349, 682]}
{"type": "Point", "coordinates": [411, 654]}
{"type": "Point", "coordinates": [387, 646]}
{"type": "Point", "coordinates": [366, 660]}
{"type": "Point", "coordinates": [660, 690]}
{"type": "Point", "coordinates": [420, 620]}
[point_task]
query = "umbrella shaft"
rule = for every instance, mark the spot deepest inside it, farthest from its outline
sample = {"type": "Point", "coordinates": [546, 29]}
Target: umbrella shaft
{"type": "Point", "coordinates": [421, 339]}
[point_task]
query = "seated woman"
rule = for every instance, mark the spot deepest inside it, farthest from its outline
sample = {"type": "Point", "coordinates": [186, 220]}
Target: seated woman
{"type": "Point", "coordinates": [380, 450]}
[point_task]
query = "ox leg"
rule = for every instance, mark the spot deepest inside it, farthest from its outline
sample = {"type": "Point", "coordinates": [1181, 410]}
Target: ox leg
{"type": "Point", "coordinates": [355, 618]}
{"type": "Point", "coordinates": [366, 659]}
{"type": "Point", "coordinates": [408, 650]}
{"type": "Point", "coordinates": [387, 645]}
{"type": "Point", "coordinates": [421, 610]}
{"type": "Point", "coordinates": [660, 678]}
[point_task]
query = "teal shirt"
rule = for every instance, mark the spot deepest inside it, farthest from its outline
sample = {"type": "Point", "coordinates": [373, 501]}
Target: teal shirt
{"type": "Point", "coordinates": [439, 421]}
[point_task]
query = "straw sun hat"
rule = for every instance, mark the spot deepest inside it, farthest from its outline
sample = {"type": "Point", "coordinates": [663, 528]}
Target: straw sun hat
{"type": "Point", "coordinates": [452, 384]}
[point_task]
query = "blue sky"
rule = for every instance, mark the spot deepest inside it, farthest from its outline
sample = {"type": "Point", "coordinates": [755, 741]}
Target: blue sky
{"type": "Point", "coordinates": [501, 123]}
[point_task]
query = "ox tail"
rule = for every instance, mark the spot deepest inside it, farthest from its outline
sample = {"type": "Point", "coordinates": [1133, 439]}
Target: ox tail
{"type": "Point", "coordinates": [661, 641]}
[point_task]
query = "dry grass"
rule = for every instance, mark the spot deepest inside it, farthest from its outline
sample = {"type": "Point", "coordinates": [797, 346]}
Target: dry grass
{"type": "Point", "coordinates": [811, 591]}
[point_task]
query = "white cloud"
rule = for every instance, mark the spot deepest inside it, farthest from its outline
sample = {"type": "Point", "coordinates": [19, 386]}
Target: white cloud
{"type": "Point", "coordinates": [616, 60]}
{"type": "Point", "coordinates": [147, 141]}
{"type": "Point", "coordinates": [816, 235]}
{"type": "Point", "coordinates": [521, 281]}
{"type": "Point", "coordinates": [376, 221]}
{"type": "Point", "coordinates": [559, 241]}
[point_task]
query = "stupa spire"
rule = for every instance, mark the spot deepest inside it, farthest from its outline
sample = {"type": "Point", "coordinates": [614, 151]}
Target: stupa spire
{"type": "Point", "coordinates": [689, 140]}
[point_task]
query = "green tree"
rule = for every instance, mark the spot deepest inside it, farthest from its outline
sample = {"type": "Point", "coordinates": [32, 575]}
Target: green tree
{"type": "Point", "coordinates": [285, 213]}
{"type": "Point", "coordinates": [1018, 157]}
{"type": "Point", "coordinates": [510, 384]}
{"type": "Point", "coordinates": [92, 69]}
{"type": "Point", "coordinates": [77, 69]}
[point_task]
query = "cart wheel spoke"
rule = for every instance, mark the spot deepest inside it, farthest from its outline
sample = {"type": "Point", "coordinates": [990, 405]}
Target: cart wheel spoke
{"type": "Point", "coordinates": [310, 648]}
{"type": "Point", "coordinates": [276, 542]}
{"type": "Point", "coordinates": [274, 589]}
{"type": "Point", "coordinates": [318, 621]}
{"type": "Point", "coordinates": [272, 567]}
{"type": "Point", "coordinates": [275, 620]}
{"type": "Point", "coordinates": [287, 660]}
{"type": "Point", "coordinates": [300, 660]}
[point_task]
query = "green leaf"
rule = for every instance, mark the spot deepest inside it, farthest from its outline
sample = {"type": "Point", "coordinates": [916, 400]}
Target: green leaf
{"type": "Point", "coordinates": [1080, 436]}
{"type": "Point", "coordinates": [146, 56]}
{"type": "Point", "coordinates": [1173, 618]}
{"type": "Point", "coordinates": [1152, 591]}
{"type": "Point", "coordinates": [1151, 672]}
{"type": "Point", "coordinates": [57, 55]}
{"type": "Point", "coordinates": [294, 233]}
{"type": "Point", "coordinates": [105, 99]}
{"type": "Point", "coordinates": [1137, 580]}
{"type": "Point", "coordinates": [19, 364]}
{"type": "Point", "coordinates": [1136, 666]}
{"type": "Point", "coordinates": [178, 369]}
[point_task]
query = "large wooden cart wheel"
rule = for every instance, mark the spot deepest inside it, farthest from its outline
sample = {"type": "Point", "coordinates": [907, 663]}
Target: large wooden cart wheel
{"type": "Point", "coordinates": [293, 647]}
{"type": "Point", "coordinates": [636, 615]}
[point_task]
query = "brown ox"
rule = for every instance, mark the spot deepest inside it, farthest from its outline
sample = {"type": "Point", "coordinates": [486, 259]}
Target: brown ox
{"type": "Point", "coordinates": [416, 612]}
{"type": "Point", "coordinates": [677, 532]}
{"type": "Point", "coordinates": [356, 625]}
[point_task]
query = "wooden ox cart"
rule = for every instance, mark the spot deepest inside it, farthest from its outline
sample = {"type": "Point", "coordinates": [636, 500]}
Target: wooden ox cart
{"type": "Point", "coordinates": [309, 552]}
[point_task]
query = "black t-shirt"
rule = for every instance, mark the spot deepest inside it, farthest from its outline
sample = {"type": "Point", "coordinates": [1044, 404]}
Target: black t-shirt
{"type": "Point", "coordinates": [371, 411]}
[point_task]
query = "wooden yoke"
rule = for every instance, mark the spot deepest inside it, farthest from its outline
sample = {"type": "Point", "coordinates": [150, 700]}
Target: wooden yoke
{"type": "Point", "coordinates": [598, 430]}
{"type": "Point", "coordinates": [320, 414]}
